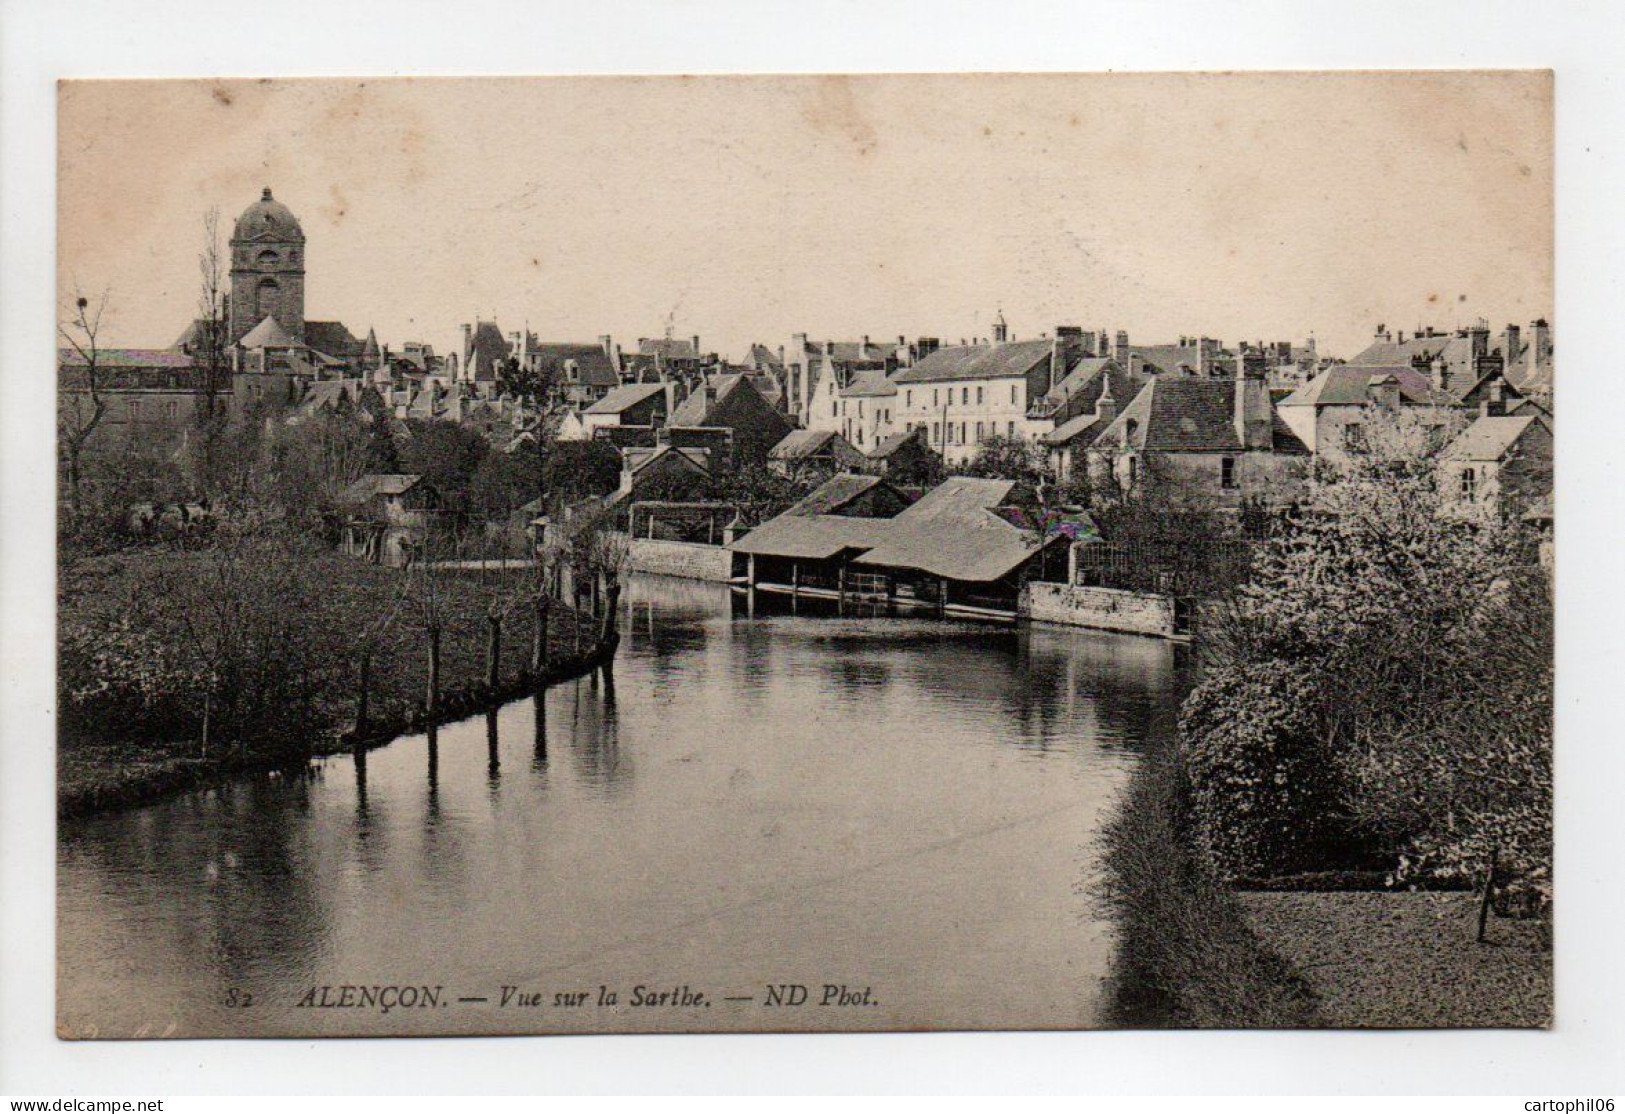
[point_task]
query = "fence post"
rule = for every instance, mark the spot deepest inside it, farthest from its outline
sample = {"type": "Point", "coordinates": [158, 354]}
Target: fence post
{"type": "Point", "coordinates": [538, 638]}
{"type": "Point", "coordinates": [432, 699]}
{"type": "Point", "coordinates": [1489, 891]}
{"type": "Point", "coordinates": [361, 695]}
{"type": "Point", "coordinates": [493, 650]}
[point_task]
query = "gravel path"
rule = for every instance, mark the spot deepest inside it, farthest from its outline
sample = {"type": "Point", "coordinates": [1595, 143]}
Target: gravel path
{"type": "Point", "coordinates": [1407, 960]}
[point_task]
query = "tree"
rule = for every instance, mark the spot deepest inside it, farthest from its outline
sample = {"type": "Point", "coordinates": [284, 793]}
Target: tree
{"type": "Point", "coordinates": [447, 455]}
{"type": "Point", "coordinates": [209, 355]}
{"type": "Point", "coordinates": [81, 404]}
{"type": "Point", "coordinates": [1010, 458]}
{"type": "Point", "coordinates": [1397, 616]}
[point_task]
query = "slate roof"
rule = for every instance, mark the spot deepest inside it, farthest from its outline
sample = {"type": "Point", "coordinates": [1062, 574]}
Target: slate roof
{"type": "Point", "coordinates": [695, 409]}
{"type": "Point", "coordinates": [1082, 429]}
{"type": "Point", "coordinates": [380, 483]}
{"type": "Point", "coordinates": [764, 357]}
{"type": "Point", "coordinates": [1349, 385]}
{"type": "Point", "coordinates": [1179, 415]}
{"type": "Point", "coordinates": [834, 493]}
{"type": "Point", "coordinates": [637, 459]}
{"type": "Point", "coordinates": [851, 351]}
{"type": "Point", "coordinates": [593, 366]}
{"type": "Point", "coordinates": [952, 532]}
{"type": "Point", "coordinates": [870, 384]}
{"type": "Point", "coordinates": [800, 443]}
{"type": "Point", "coordinates": [891, 444]}
{"type": "Point", "coordinates": [1489, 438]}
{"type": "Point", "coordinates": [331, 338]}
{"type": "Point", "coordinates": [1190, 415]}
{"type": "Point", "coordinates": [1082, 387]}
{"type": "Point", "coordinates": [1163, 359]}
{"type": "Point", "coordinates": [486, 347]}
{"type": "Point", "coordinates": [268, 334]}
{"type": "Point", "coordinates": [1387, 353]}
{"type": "Point", "coordinates": [108, 358]}
{"type": "Point", "coordinates": [814, 537]}
{"type": "Point", "coordinates": [624, 398]}
{"type": "Point", "coordinates": [977, 361]}
{"type": "Point", "coordinates": [671, 348]}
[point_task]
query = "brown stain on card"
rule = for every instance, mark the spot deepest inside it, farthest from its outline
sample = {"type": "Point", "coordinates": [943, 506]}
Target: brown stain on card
{"type": "Point", "coordinates": [832, 107]}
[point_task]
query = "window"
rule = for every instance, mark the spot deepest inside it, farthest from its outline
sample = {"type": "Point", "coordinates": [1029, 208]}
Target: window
{"type": "Point", "coordinates": [936, 433]}
{"type": "Point", "coordinates": [908, 398]}
{"type": "Point", "coordinates": [1012, 394]}
{"type": "Point", "coordinates": [978, 396]}
{"type": "Point", "coordinates": [1469, 484]}
{"type": "Point", "coordinates": [962, 433]}
{"type": "Point", "coordinates": [934, 402]}
{"type": "Point", "coordinates": [860, 408]}
{"type": "Point", "coordinates": [834, 408]}
{"type": "Point", "coordinates": [964, 396]}
{"type": "Point", "coordinates": [1133, 470]}
{"type": "Point", "coordinates": [1010, 430]}
{"type": "Point", "coordinates": [978, 431]}
{"type": "Point", "coordinates": [1227, 473]}
{"type": "Point", "coordinates": [1354, 438]}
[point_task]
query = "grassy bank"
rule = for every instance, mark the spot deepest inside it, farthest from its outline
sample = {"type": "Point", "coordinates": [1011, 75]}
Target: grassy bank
{"type": "Point", "coordinates": [1186, 957]}
{"type": "Point", "coordinates": [1409, 960]}
{"type": "Point", "coordinates": [110, 754]}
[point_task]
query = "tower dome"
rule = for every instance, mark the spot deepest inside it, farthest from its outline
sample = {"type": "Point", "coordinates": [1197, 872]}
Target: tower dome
{"type": "Point", "coordinates": [268, 219]}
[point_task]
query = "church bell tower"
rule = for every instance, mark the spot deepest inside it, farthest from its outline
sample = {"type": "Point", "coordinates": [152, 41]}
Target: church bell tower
{"type": "Point", "coordinates": [268, 269]}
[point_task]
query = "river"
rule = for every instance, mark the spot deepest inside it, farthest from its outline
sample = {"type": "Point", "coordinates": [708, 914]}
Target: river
{"type": "Point", "coordinates": [899, 806]}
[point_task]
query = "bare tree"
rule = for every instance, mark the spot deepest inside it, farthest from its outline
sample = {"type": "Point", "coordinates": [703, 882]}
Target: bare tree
{"type": "Point", "coordinates": [209, 343]}
{"type": "Point", "coordinates": [81, 405]}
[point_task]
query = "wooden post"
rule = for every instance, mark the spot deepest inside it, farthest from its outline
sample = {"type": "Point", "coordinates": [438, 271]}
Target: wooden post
{"type": "Point", "coordinates": [493, 650]}
{"type": "Point", "coordinates": [1489, 892]}
{"type": "Point", "coordinates": [942, 605]}
{"type": "Point", "coordinates": [538, 639]}
{"type": "Point", "coordinates": [365, 672]}
{"type": "Point", "coordinates": [612, 605]}
{"type": "Point", "coordinates": [795, 580]}
{"type": "Point", "coordinates": [432, 698]}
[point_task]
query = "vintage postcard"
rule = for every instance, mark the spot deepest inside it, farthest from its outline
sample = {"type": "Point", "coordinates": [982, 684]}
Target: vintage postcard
{"type": "Point", "coordinates": [820, 553]}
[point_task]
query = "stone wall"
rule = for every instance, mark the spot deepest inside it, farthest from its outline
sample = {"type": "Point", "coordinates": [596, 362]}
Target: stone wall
{"type": "Point", "coordinates": [1100, 608]}
{"type": "Point", "coordinates": [685, 559]}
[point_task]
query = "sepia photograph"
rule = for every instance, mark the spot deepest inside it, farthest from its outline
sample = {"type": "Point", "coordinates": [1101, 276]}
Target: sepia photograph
{"type": "Point", "coordinates": [819, 553]}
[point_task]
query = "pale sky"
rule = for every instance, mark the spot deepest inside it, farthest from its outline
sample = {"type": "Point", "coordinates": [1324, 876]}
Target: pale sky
{"type": "Point", "coordinates": [1267, 206]}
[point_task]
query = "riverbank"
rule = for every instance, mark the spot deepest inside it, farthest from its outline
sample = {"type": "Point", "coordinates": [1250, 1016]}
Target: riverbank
{"type": "Point", "coordinates": [105, 763]}
{"type": "Point", "coordinates": [1195, 953]}
{"type": "Point", "coordinates": [1186, 957]}
{"type": "Point", "coordinates": [1408, 960]}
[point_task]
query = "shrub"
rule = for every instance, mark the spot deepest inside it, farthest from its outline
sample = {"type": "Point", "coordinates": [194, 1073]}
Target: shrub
{"type": "Point", "coordinates": [1264, 791]}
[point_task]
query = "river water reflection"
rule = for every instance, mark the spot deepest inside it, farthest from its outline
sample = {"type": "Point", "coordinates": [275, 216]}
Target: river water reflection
{"type": "Point", "coordinates": [905, 805]}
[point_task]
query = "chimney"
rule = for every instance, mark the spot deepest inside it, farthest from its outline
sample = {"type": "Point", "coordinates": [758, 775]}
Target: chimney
{"type": "Point", "coordinates": [1204, 363]}
{"type": "Point", "coordinates": [1494, 404]}
{"type": "Point", "coordinates": [1441, 375]}
{"type": "Point", "coordinates": [829, 348]}
{"type": "Point", "coordinates": [1251, 410]}
{"type": "Point", "coordinates": [1105, 405]}
{"type": "Point", "coordinates": [1382, 333]}
{"type": "Point", "coordinates": [1509, 346]}
{"type": "Point", "coordinates": [696, 341]}
{"type": "Point", "coordinates": [1540, 344]}
{"type": "Point", "coordinates": [468, 340]}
